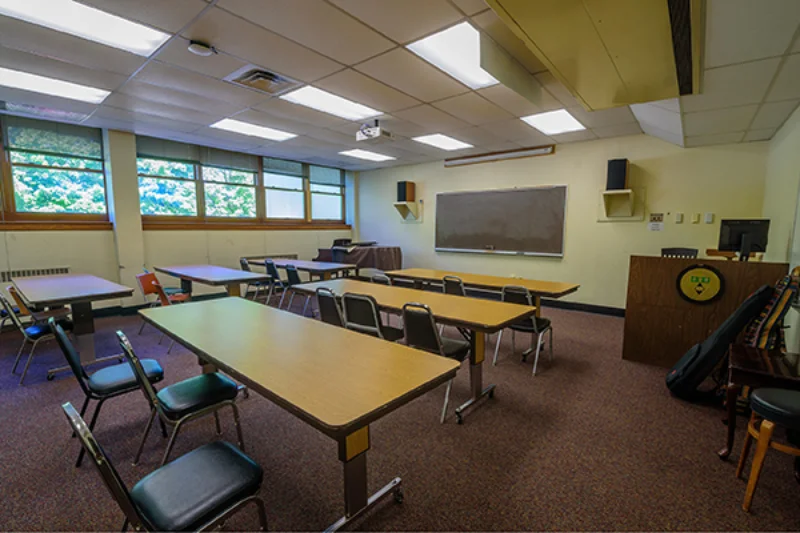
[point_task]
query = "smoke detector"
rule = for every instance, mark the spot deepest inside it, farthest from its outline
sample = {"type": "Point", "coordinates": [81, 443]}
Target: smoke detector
{"type": "Point", "coordinates": [201, 49]}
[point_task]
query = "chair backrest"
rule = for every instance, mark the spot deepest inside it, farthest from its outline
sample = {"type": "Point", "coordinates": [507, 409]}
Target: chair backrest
{"type": "Point", "coordinates": [515, 294]}
{"type": "Point", "coordinates": [292, 276]}
{"type": "Point", "coordinates": [110, 476]}
{"type": "Point", "coordinates": [244, 264]}
{"type": "Point", "coordinates": [71, 354]}
{"type": "Point", "coordinates": [361, 314]}
{"type": "Point", "coordinates": [145, 281]}
{"type": "Point", "coordinates": [162, 295]}
{"type": "Point", "coordinates": [329, 310]}
{"type": "Point", "coordinates": [686, 253]}
{"type": "Point", "coordinates": [12, 315]}
{"type": "Point", "coordinates": [381, 279]}
{"type": "Point", "coordinates": [420, 328]}
{"type": "Point", "coordinates": [23, 309]}
{"type": "Point", "coordinates": [453, 285]}
{"type": "Point", "coordinates": [272, 270]}
{"type": "Point", "coordinates": [138, 370]}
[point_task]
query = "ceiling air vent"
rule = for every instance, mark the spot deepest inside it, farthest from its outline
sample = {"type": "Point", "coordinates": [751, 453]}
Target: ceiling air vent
{"type": "Point", "coordinates": [262, 80]}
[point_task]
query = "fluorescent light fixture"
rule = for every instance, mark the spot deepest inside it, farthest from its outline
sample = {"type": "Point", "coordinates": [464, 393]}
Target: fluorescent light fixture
{"type": "Point", "coordinates": [245, 128]}
{"type": "Point", "coordinates": [457, 51]}
{"type": "Point", "coordinates": [330, 103]}
{"type": "Point", "coordinates": [39, 84]}
{"type": "Point", "coordinates": [554, 122]}
{"type": "Point", "coordinates": [86, 22]}
{"type": "Point", "coordinates": [366, 154]}
{"type": "Point", "coordinates": [442, 141]}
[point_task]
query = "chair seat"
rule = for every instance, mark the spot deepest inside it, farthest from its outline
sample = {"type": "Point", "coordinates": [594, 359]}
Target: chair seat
{"type": "Point", "coordinates": [391, 333]}
{"type": "Point", "coordinates": [118, 378]}
{"type": "Point", "coordinates": [527, 325]}
{"type": "Point", "coordinates": [37, 331]}
{"type": "Point", "coordinates": [180, 297]}
{"type": "Point", "coordinates": [4, 313]}
{"type": "Point", "coordinates": [195, 488]}
{"type": "Point", "coordinates": [778, 405]}
{"type": "Point", "coordinates": [171, 291]}
{"type": "Point", "coordinates": [457, 349]}
{"type": "Point", "coordinates": [193, 394]}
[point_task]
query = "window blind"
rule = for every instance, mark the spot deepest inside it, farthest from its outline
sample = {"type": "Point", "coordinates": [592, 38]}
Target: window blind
{"type": "Point", "coordinates": [52, 137]}
{"type": "Point", "coordinates": [325, 175]}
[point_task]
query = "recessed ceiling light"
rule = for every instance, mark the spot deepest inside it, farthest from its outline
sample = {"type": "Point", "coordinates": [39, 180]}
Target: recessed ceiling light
{"type": "Point", "coordinates": [457, 51]}
{"type": "Point", "coordinates": [252, 130]}
{"type": "Point", "coordinates": [330, 103]}
{"type": "Point", "coordinates": [86, 22]}
{"type": "Point", "coordinates": [39, 84]}
{"type": "Point", "coordinates": [554, 122]}
{"type": "Point", "coordinates": [366, 154]}
{"type": "Point", "coordinates": [442, 141]}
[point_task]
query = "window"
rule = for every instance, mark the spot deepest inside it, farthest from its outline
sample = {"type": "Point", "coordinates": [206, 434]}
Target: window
{"type": "Point", "coordinates": [285, 196]}
{"type": "Point", "coordinates": [56, 170]}
{"type": "Point", "coordinates": [327, 193]}
{"type": "Point", "coordinates": [229, 192]}
{"type": "Point", "coordinates": [167, 187]}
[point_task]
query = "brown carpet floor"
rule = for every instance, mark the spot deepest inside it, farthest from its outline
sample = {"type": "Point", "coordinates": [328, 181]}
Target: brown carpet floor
{"type": "Point", "coordinates": [592, 443]}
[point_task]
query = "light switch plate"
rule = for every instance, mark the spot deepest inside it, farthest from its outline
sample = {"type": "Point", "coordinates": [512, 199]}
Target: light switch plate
{"type": "Point", "coordinates": [696, 218]}
{"type": "Point", "coordinates": [679, 218]}
{"type": "Point", "coordinates": [709, 218]}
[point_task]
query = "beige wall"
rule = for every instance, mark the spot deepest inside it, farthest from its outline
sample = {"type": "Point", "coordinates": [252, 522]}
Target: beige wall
{"type": "Point", "coordinates": [725, 180]}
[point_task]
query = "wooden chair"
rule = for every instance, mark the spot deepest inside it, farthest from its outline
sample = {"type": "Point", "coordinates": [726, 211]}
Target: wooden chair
{"type": "Point", "coordinates": [147, 284]}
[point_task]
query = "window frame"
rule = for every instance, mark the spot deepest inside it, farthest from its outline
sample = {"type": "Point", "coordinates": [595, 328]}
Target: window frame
{"type": "Point", "coordinates": [342, 187]}
{"type": "Point", "coordinates": [211, 218]}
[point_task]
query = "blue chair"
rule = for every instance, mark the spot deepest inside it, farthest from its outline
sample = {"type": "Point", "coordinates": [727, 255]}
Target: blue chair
{"type": "Point", "coordinates": [292, 279]}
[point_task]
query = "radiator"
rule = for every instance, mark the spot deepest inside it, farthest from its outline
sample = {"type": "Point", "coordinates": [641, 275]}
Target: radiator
{"type": "Point", "coordinates": [8, 275]}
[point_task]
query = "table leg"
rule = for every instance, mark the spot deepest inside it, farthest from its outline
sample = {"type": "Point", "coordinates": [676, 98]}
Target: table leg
{"type": "Point", "coordinates": [186, 286]}
{"type": "Point", "coordinates": [730, 407]}
{"type": "Point", "coordinates": [326, 276]}
{"type": "Point", "coordinates": [234, 289]}
{"type": "Point", "coordinates": [537, 301]}
{"type": "Point", "coordinates": [353, 454]}
{"type": "Point", "coordinates": [476, 357]}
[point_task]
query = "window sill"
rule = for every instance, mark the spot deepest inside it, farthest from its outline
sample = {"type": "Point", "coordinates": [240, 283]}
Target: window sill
{"type": "Point", "coordinates": [160, 225]}
{"type": "Point", "coordinates": [56, 225]}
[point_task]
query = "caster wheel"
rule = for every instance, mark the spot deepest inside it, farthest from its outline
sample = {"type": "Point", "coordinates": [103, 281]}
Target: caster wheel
{"type": "Point", "coordinates": [399, 497]}
{"type": "Point", "coordinates": [491, 393]}
{"type": "Point", "coordinates": [51, 377]}
{"type": "Point", "coordinates": [459, 419]}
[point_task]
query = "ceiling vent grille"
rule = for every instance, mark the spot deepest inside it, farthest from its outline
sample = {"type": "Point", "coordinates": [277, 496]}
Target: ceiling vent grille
{"type": "Point", "coordinates": [262, 80]}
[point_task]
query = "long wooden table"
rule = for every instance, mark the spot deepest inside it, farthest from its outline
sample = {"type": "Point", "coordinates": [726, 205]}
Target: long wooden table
{"type": "Point", "coordinates": [215, 276]}
{"type": "Point", "coordinates": [479, 316]}
{"type": "Point", "coordinates": [549, 289]}
{"type": "Point", "coordinates": [336, 380]}
{"type": "Point", "coordinates": [322, 269]}
{"type": "Point", "coordinates": [78, 291]}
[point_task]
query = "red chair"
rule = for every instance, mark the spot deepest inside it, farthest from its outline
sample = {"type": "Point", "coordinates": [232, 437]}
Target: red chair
{"type": "Point", "coordinates": [148, 283]}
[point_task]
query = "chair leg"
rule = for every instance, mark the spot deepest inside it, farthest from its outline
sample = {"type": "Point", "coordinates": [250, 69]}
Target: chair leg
{"type": "Point", "coordinates": [538, 349]}
{"type": "Point", "coordinates": [238, 426]}
{"type": "Point", "coordinates": [171, 344]}
{"type": "Point", "coordinates": [283, 295]}
{"type": "Point", "coordinates": [216, 422]}
{"type": "Point", "coordinates": [83, 411]}
{"type": "Point", "coordinates": [19, 355]}
{"type": "Point", "coordinates": [163, 428]}
{"type": "Point", "coordinates": [170, 444]}
{"type": "Point", "coordinates": [146, 433]}
{"type": "Point", "coordinates": [28, 363]}
{"type": "Point", "coordinates": [748, 440]}
{"type": "Point", "coordinates": [161, 338]}
{"type": "Point", "coordinates": [262, 514]}
{"type": "Point", "coordinates": [446, 401]}
{"type": "Point", "coordinates": [269, 294]}
{"type": "Point", "coordinates": [551, 344]}
{"type": "Point", "coordinates": [497, 347]}
{"type": "Point", "coordinates": [305, 305]}
{"type": "Point", "coordinates": [291, 299]}
{"type": "Point", "coordinates": [91, 428]}
{"type": "Point", "coordinates": [764, 438]}
{"type": "Point", "coordinates": [141, 328]}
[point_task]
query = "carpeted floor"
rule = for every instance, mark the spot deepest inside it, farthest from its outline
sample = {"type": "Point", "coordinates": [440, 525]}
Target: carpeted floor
{"type": "Point", "coordinates": [592, 443]}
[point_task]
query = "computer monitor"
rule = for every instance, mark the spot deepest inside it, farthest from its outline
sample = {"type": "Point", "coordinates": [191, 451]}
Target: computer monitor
{"type": "Point", "coordinates": [743, 236]}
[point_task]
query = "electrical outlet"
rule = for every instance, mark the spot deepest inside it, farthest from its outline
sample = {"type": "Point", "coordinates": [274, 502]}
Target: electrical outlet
{"type": "Point", "coordinates": [679, 218]}
{"type": "Point", "coordinates": [709, 218]}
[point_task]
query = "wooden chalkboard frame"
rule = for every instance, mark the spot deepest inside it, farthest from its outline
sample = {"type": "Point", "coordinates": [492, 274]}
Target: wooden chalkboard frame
{"type": "Point", "coordinates": [506, 252]}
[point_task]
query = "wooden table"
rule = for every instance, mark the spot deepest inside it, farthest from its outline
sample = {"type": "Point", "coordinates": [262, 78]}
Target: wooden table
{"type": "Point", "coordinates": [321, 269]}
{"type": "Point", "coordinates": [78, 291]}
{"type": "Point", "coordinates": [479, 316]}
{"type": "Point", "coordinates": [549, 289]}
{"type": "Point", "coordinates": [215, 276]}
{"type": "Point", "coordinates": [335, 380]}
{"type": "Point", "coordinates": [752, 367]}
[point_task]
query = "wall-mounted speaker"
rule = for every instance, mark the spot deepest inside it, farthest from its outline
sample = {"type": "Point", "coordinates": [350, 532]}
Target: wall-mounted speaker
{"type": "Point", "coordinates": [617, 174]}
{"type": "Point", "coordinates": [405, 191]}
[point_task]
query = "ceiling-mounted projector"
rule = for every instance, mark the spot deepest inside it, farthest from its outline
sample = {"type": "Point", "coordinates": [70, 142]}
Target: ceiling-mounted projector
{"type": "Point", "coordinates": [373, 134]}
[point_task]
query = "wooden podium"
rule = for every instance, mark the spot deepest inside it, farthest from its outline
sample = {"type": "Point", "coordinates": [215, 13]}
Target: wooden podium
{"type": "Point", "coordinates": [660, 325]}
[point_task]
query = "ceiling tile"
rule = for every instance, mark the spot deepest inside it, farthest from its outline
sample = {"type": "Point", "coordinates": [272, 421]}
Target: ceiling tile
{"type": "Point", "coordinates": [743, 30]}
{"type": "Point", "coordinates": [428, 116]}
{"type": "Point", "coordinates": [476, 136]}
{"type": "Point", "coordinates": [658, 116]}
{"type": "Point", "coordinates": [56, 45]}
{"type": "Point", "coordinates": [557, 89]}
{"type": "Point", "coordinates": [284, 109]}
{"type": "Point", "coordinates": [473, 108]}
{"type": "Point", "coordinates": [170, 16]}
{"type": "Point", "coordinates": [261, 118]}
{"type": "Point", "coordinates": [773, 115]}
{"type": "Point", "coordinates": [733, 119]}
{"type": "Point", "coordinates": [53, 68]}
{"type": "Point", "coordinates": [618, 130]}
{"type": "Point", "coordinates": [113, 113]}
{"type": "Point", "coordinates": [603, 117]}
{"type": "Point", "coordinates": [490, 23]}
{"type": "Point", "coordinates": [163, 75]}
{"type": "Point", "coordinates": [670, 104]}
{"type": "Point", "coordinates": [719, 138]}
{"type": "Point", "coordinates": [733, 85]}
{"type": "Point", "coordinates": [137, 105]}
{"type": "Point", "coordinates": [404, 21]}
{"type": "Point", "coordinates": [517, 131]}
{"type": "Point", "coordinates": [217, 66]}
{"type": "Point", "coordinates": [759, 135]}
{"type": "Point", "coordinates": [364, 90]}
{"type": "Point", "coordinates": [315, 24]}
{"type": "Point", "coordinates": [787, 83]}
{"type": "Point", "coordinates": [242, 143]}
{"type": "Point", "coordinates": [403, 70]}
{"type": "Point", "coordinates": [471, 7]}
{"type": "Point", "coordinates": [165, 95]}
{"type": "Point", "coordinates": [671, 136]}
{"type": "Point", "coordinates": [256, 45]}
{"type": "Point", "coordinates": [321, 146]}
{"type": "Point", "coordinates": [336, 137]}
{"type": "Point", "coordinates": [574, 136]}
{"type": "Point", "coordinates": [517, 105]}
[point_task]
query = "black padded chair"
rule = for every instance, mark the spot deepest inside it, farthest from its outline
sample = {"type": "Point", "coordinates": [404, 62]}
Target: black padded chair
{"type": "Point", "coordinates": [195, 492]}
{"type": "Point", "coordinates": [535, 326]}
{"type": "Point", "coordinates": [361, 314]}
{"type": "Point", "coordinates": [683, 253]}
{"type": "Point", "coordinates": [184, 401]}
{"type": "Point", "coordinates": [258, 285]}
{"type": "Point", "coordinates": [275, 278]}
{"type": "Point", "coordinates": [421, 333]}
{"type": "Point", "coordinates": [770, 408]}
{"type": "Point", "coordinates": [106, 383]}
{"type": "Point", "coordinates": [453, 285]}
{"type": "Point", "coordinates": [381, 279]}
{"type": "Point", "coordinates": [293, 279]}
{"type": "Point", "coordinates": [329, 310]}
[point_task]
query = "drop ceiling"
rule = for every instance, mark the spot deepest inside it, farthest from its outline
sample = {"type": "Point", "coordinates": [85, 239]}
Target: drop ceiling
{"type": "Point", "coordinates": [356, 49]}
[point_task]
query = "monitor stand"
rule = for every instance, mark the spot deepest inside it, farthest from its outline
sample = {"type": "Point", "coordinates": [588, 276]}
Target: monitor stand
{"type": "Point", "coordinates": [747, 244]}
